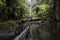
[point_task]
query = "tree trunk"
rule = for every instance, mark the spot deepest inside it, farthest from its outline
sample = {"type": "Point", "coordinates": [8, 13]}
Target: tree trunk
{"type": "Point", "coordinates": [56, 9]}
{"type": "Point", "coordinates": [56, 18]}
{"type": "Point", "coordinates": [8, 3]}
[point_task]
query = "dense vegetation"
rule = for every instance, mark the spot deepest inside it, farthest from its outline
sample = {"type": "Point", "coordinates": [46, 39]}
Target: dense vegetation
{"type": "Point", "coordinates": [17, 10]}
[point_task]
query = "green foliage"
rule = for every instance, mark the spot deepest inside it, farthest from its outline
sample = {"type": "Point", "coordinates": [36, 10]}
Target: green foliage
{"type": "Point", "coordinates": [26, 10]}
{"type": "Point", "coordinates": [2, 3]}
{"type": "Point", "coordinates": [17, 6]}
{"type": "Point", "coordinates": [43, 10]}
{"type": "Point", "coordinates": [44, 7]}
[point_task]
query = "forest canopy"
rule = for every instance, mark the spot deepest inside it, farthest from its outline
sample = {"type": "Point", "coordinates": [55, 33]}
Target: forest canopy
{"type": "Point", "coordinates": [17, 9]}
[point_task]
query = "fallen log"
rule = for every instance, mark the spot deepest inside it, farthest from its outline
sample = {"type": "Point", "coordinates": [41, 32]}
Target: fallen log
{"type": "Point", "coordinates": [22, 35]}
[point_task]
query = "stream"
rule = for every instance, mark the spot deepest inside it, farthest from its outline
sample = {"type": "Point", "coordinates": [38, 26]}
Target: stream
{"type": "Point", "coordinates": [29, 26]}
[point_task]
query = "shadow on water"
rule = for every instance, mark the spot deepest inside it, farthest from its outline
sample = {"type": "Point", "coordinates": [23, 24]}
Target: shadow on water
{"type": "Point", "coordinates": [7, 36]}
